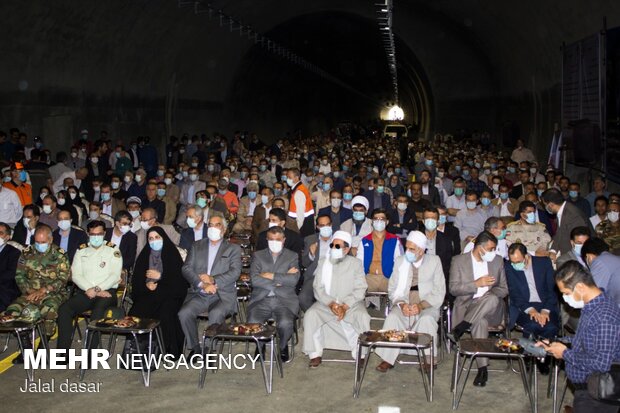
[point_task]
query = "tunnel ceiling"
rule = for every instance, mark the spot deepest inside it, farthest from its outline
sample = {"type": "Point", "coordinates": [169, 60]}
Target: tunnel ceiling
{"type": "Point", "coordinates": [464, 50]}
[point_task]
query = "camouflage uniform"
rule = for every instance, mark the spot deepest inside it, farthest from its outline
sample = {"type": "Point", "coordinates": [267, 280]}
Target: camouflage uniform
{"type": "Point", "coordinates": [34, 271]}
{"type": "Point", "coordinates": [533, 236]}
{"type": "Point", "coordinates": [610, 234]}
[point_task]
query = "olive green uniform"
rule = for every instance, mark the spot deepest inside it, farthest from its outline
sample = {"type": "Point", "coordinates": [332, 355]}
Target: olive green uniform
{"type": "Point", "coordinates": [533, 236]}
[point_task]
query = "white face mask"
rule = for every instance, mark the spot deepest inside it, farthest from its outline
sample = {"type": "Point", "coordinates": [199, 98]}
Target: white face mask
{"type": "Point", "coordinates": [402, 206]}
{"type": "Point", "coordinates": [273, 224]}
{"type": "Point", "coordinates": [488, 256]}
{"type": "Point", "coordinates": [214, 234]}
{"type": "Point", "coordinates": [275, 246]}
{"type": "Point", "coordinates": [572, 302]}
{"type": "Point", "coordinates": [138, 178]}
{"type": "Point", "coordinates": [134, 214]}
{"type": "Point", "coordinates": [64, 224]}
{"type": "Point", "coordinates": [61, 201]}
{"type": "Point", "coordinates": [127, 179]}
{"type": "Point", "coordinates": [613, 216]}
{"type": "Point", "coordinates": [378, 225]}
{"type": "Point", "coordinates": [336, 202]}
{"type": "Point", "coordinates": [93, 215]}
{"type": "Point", "coordinates": [94, 160]}
{"type": "Point", "coordinates": [167, 181]}
{"type": "Point", "coordinates": [124, 228]}
{"type": "Point", "coordinates": [115, 185]}
{"type": "Point", "coordinates": [145, 225]}
{"type": "Point", "coordinates": [26, 222]}
{"type": "Point", "coordinates": [47, 209]}
{"type": "Point", "coordinates": [336, 253]}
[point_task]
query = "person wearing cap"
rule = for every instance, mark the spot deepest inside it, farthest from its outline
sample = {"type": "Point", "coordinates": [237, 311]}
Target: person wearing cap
{"type": "Point", "coordinates": [18, 183]}
{"type": "Point", "coordinates": [339, 315]}
{"type": "Point", "coordinates": [133, 208]}
{"type": "Point", "coordinates": [377, 251]}
{"type": "Point", "coordinates": [359, 225]}
{"type": "Point", "coordinates": [416, 290]}
{"type": "Point", "coordinates": [10, 206]}
{"type": "Point", "coordinates": [275, 274]}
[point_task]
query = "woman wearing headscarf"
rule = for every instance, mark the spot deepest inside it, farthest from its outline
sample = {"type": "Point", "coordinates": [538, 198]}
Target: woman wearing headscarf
{"type": "Point", "coordinates": [159, 289]}
{"type": "Point", "coordinates": [43, 192]}
{"type": "Point", "coordinates": [76, 199]}
{"type": "Point", "coordinates": [64, 204]}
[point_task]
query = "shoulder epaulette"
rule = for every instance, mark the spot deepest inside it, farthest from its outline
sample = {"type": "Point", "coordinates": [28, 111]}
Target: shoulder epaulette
{"type": "Point", "coordinates": [110, 244]}
{"type": "Point", "coordinates": [27, 249]}
{"type": "Point", "coordinates": [83, 246]}
{"type": "Point", "coordinates": [78, 228]}
{"type": "Point", "coordinates": [513, 223]}
{"type": "Point", "coordinates": [63, 252]}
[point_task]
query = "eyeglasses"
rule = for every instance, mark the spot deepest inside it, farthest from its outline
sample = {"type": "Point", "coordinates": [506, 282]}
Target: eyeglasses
{"type": "Point", "coordinates": [337, 246]}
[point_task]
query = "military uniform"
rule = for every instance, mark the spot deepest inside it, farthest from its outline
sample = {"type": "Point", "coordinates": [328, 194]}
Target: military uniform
{"type": "Point", "coordinates": [610, 234]}
{"type": "Point", "coordinates": [98, 268]}
{"type": "Point", "coordinates": [533, 236]}
{"type": "Point", "coordinates": [34, 271]}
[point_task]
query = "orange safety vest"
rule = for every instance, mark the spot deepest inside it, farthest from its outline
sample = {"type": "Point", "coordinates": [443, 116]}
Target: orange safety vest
{"type": "Point", "coordinates": [292, 210]}
{"type": "Point", "coordinates": [24, 192]}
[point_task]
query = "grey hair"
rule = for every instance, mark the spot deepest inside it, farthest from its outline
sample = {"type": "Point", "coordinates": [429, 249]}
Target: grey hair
{"type": "Point", "coordinates": [218, 214]}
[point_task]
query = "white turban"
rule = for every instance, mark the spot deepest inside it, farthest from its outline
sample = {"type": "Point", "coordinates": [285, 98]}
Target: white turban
{"type": "Point", "coordinates": [360, 200]}
{"type": "Point", "coordinates": [417, 238]}
{"type": "Point", "coordinates": [343, 236]}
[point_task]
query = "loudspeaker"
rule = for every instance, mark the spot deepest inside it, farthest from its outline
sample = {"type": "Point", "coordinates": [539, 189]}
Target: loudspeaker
{"type": "Point", "coordinates": [587, 146]}
{"type": "Point", "coordinates": [510, 133]}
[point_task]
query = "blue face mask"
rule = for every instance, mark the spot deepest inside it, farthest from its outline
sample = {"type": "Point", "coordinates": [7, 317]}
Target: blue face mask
{"type": "Point", "coordinates": [380, 189]}
{"type": "Point", "coordinates": [397, 171]}
{"type": "Point", "coordinates": [23, 176]}
{"type": "Point", "coordinates": [327, 187]}
{"type": "Point", "coordinates": [504, 195]}
{"type": "Point", "coordinates": [457, 168]}
{"type": "Point", "coordinates": [429, 162]}
{"type": "Point", "coordinates": [251, 194]}
{"type": "Point", "coordinates": [358, 215]}
{"type": "Point", "coordinates": [502, 235]}
{"type": "Point", "coordinates": [530, 218]}
{"type": "Point", "coordinates": [347, 196]}
{"type": "Point", "coordinates": [577, 249]}
{"type": "Point", "coordinates": [518, 266]}
{"type": "Point", "coordinates": [95, 240]}
{"type": "Point", "coordinates": [573, 194]}
{"type": "Point", "coordinates": [157, 244]}
{"type": "Point", "coordinates": [345, 168]}
{"type": "Point", "coordinates": [105, 197]}
{"type": "Point", "coordinates": [485, 201]}
{"type": "Point", "coordinates": [223, 191]}
{"type": "Point", "coordinates": [277, 192]}
{"type": "Point", "coordinates": [283, 178]}
{"type": "Point", "coordinates": [539, 192]}
{"type": "Point", "coordinates": [458, 191]}
{"type": "Point", "coordinates": [161, 192]}
{"type": "Point", "coordinates": [442, 219]}
{"type": "Point", "coordinates": [41, 247]}
{"type": "Point", "coordinates": [411, 257]}
{"type": "Point", "coordinates": [511, 170]}
{"type": "Point", "coordinates": [201, 202]}
{"type": "Point", "coordinates": [466, 172]}
{"type": "Point", "coordinates": [430, 224]}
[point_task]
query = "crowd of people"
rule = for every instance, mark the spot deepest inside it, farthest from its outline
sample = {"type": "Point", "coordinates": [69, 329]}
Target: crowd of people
{"type": "Point", "coordinates": [332, 219]}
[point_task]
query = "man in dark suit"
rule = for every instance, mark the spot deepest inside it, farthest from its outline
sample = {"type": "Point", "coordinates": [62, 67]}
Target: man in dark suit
{"type": "Point", "coordinates": [533, 300]}
{"type": "Point", "coordinates": [68, 237]}
{"type": "Point", "coordinates": [568, 216]}
{"type": "Point", "coordinates": [377, 198]}
{"type": "Point", "coordinates": [439, 243]}
{"type": "Point", "coordinates": [429, 191]}
{"type": "Point", "coordinates": [24, 228]}
{"type": "Point", "coordinates": [196, 229]}
{"type": "Point", "coordinates": [316, 246]}
{"type": "Point", "coordinates": [122, 236]}
{"type": "Point", "coordinates": [449, 230]}
{"type": "Point", "coordinates": [478, 281]}
{"type": "Point", "coordinates": [212, 268]}
{"type": "Point", "coordinates": [293, 241]}
{"type": "Point", "coordinates": [275, 273]}
{"type": "Point", "coordinates": [151, 201]}
{"type": "Point", "coordinates": [9, 256]}
{"type": "Point", "coordinates": [337, 213]}
{"type": "Point", "coordinates": [402, 220]}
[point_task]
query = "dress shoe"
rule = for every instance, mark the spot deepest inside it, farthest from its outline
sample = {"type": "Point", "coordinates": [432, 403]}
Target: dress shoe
{"type": "Point", "coordinates": [284, 355]}
{"type": "Point", "coordinates": [315, 362]}
{"type": "Point", "coordinates": [384, 366]}
{"type": "Point", "coordinates": [482, 377]}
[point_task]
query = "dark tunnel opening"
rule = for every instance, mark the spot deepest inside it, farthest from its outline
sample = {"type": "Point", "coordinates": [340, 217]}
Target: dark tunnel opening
{"type": "Point", "coordinates": [276, 96]}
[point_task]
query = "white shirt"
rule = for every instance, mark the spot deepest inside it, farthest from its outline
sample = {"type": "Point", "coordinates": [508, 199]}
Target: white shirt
{"type": "Point", "coordinates": [58, 185]}
{"type": "Point", "coordinates": [560, 214]}
{"type": "Point", "coordinates": [213, 249]}
{"type": "Point", "coordinates": [503, 211]}
{"type": "Point", "coordinates": [501, 249]}
{"type": "Point", "coordinates": [531, 286]}
{"type": "Point", "coordinates": [480, 270]}
{"type": "Point", "coordinates": [595, 220]}
{"type": "Point", "coordinates": [107, 209]}
{"type": "Point", "coordinates": [116, 240]}
{"type": "Point", "coordinates": [10, 206]}
{"type": "Point", "coordinates": [251, 208]}
{"type": "Point", "coordinates": [455, 203]}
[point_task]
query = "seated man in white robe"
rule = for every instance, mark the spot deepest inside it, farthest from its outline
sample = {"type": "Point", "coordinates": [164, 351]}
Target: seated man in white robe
{"type": "Point", "coordinates": [417, 289]}
{"type": "Point", "coordinates": [339, 315]}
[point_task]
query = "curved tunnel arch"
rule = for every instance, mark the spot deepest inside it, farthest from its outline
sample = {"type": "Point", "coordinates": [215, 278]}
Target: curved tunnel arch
{"type": "Point", "coordinates": [346, 45]}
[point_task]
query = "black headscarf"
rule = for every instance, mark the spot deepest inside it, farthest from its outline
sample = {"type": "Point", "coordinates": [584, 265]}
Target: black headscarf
{"type": "Point", "coordinates": [172, 282]}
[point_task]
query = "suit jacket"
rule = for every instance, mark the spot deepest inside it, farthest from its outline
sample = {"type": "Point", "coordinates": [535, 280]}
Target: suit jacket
{"type": "Point", "coordinates": [77, 237]}
{"type": "Point", "coordinates": [128, 247]}
{"type": "Point", "coordinates": [520, 293]}
{"type": "Point", "coordinates": [158, 205]}
{"type": "Point", "coordinates": [9, 256]}
{"type": "Point", "coordinates": [20, 233]}
{"type": "Point", "coordinates": [283, 284]}
{"type": "Point", "coordinates": [344, 213]}
{"type": "Point", "coordinates": [260, 222]}
{"type": "Point", "coordinates": [454, 236]}
{"type": "Point", "coordinates": [433, 195]}
{"type": "Point", "coordinates": [187, 236]}
{"type": "Point", "coordinates": [117, 205]}
{"type": "Point", "coordinates": [462, 283]}
{"type": "Point", "coordinates": [172, 233]}
{"type": "Point", "coordinates": [225, 270]}
{"type": "Point", "coordinates": [370, 196]}
{"type": "Point", "coordinates": [571, 218]}
{"type": "Point", "coordinates": [308, 264]}
{"type": "Point", "coordinates": [410, 222]}
{"type": "Point", "coordinates": [445, 250]}
{"type": "Point", "coordinates": [244, 207]}
{"type": "Point", "coordinates": [513, 206]}
{"type": "Point", "coordinates": [292, 242]}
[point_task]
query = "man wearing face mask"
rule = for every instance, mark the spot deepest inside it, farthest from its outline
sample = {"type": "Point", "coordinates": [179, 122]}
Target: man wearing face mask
{"type": "Point", "coordinates": [416, 290]}
{"type": "Point", "coordinates": [148, 219]}
{"type": "Point", "coordinates": [247, 208]}
{"type": "Point", "coordinates": [197, 228]}
{"type": "Point", "coordinates": [96, 272]}
{"type": "Point", "coordinates": [212, 268]}
{"type": "Point", "coordinates": [528, 232]}
{"type": "Point", "coordinates": [595, 344]}
{"type": "Point", "coordinates": [171, 205]}
{"type": "Point", "coordinates": [377, 198]}
{"type": "Point", "coordinates": [604, 266]}
{"type": "Point", "coordinates": [49, 212]}
{"type": "Point", "coordinates": [41, 276]}
{"type": "Point", "coordinates": [609, 229]}
{"type": "Point", "coordinates": [110, 205]}
{"type": "Point", "coordinates": [533, 300]}
{"type": "Point", "coordinates": [68, 237]}
{"type": "Point", "coordinates": [122, 236]}
{"type": "Point", "coordinates": [470, 221]}
{"type": "Point", "coordinates": [506, 205]}
{"type": "Point", "coordinates": [151, 201]}
{"type": "Point", "coordinates": [10, 206]}
{"type": "Point", "coordinates": [478, 282]}
{"type": "Point", "coordinates": [300, 208]}
{"type": "Point", "coordinates": [456, 201]}
{"type": "Point", "coordinates": [278, 218]}
{"type": "Point", "coordinates": [359, 225]}
{"type": "Point", "coordinates": [377, 251]}
{"type": "Point", "coordinates": [316, 246]}
{"type": "Point", "coordinates": [339, 315]}
{"type": "Point", "coordinates": [19, 185]}
{"type": "Point", "coordinates": [402, 219]}
{"type": "Point", "coordinates": [321, 197]}
{"type": "Point", "coordinates": [23, 232]}
{"type": "Point", "coordinates": [336, 212]}
{"type": "Point", "coordinates": [275, 274]}
{"type": "Point", "coordinates": [568, 217]}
